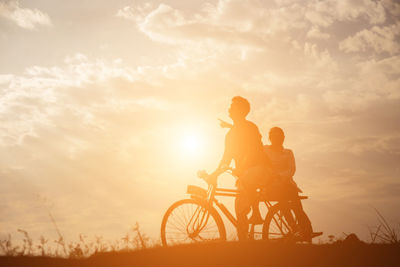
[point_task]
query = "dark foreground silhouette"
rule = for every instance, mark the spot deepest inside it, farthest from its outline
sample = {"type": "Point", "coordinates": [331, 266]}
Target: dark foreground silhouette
{"type": "Point", "coordinates": [231, 254]}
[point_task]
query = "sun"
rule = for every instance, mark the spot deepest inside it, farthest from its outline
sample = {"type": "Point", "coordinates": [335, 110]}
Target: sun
{"type": "Point", "coordinates": [191, 144]}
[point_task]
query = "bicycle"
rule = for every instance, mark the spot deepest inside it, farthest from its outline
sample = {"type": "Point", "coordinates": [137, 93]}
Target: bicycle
{"type": "Point", "coordinates": [196, 219]}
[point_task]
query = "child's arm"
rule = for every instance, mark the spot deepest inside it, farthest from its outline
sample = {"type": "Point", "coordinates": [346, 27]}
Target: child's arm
{"type": "Point", "coordinates": [291, 169]}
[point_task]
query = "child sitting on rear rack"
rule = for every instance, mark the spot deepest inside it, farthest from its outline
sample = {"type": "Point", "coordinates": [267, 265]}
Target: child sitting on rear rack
{"type": "Point", "coordinates": [284, 167]}
{"type": "Point", "coordinates": [281, 159]}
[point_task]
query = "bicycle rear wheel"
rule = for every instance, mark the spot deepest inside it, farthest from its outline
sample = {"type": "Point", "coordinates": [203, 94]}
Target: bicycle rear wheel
{"type": "Point", "coordinates": [280, 224]}
{"type": "Point", "coordinates": [189, 221]}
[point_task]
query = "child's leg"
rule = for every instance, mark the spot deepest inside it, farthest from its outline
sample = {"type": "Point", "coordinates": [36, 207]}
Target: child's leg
{"type": "Point", "coordinates": [256, 215]}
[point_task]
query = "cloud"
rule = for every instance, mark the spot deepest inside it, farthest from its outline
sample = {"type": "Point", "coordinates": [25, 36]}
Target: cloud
{"type": "Point", "coordinates": [247, 23]}
{"type": "Point", "coordinates": [257, 25]}
{"type": "Point", "coordinates": [59, 122]}
{"type": "Point", "coordinates": [136, 13]}
{"type": "Point", "coordinates": [316, 33]}
{"type": "Point", "coordinates": [325, 13]}
{"type": "Point", "coordinates": [378, 39]}
{"type": "Point", "coordinates": [367, 144]}
{"type": "Point", "coordinates": [372, 81]}
{"type": "Point", "coordinates": [24, 17]}
{"type": "Point", "coordinates": [392, 6]}
{"type": "Point", "coordinates": [83, 86]}
{"type": "Point", "coordinates": [264, 39]}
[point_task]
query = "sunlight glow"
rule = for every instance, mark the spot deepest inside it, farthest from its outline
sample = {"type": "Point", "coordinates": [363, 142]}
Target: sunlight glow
{"type": "Point", "coordinates": [191, 145]}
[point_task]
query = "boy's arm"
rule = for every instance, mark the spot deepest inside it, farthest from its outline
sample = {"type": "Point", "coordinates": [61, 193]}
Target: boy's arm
{"type": "Point", "coordinates": [225, 124]}
{"type": "Point", "coordinates": [226, 157]}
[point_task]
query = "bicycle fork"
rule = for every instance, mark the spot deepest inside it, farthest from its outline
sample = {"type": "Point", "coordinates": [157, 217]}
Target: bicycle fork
{"type": "Point", "coordinates": [197, 222]}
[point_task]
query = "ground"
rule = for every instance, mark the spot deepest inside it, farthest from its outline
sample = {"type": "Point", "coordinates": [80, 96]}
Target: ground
{"type": "Point", "coordinates": [233, 254]}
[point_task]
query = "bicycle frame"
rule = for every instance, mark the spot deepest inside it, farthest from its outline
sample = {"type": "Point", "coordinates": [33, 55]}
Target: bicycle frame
{"type": "Point", "coordinates": [205, 211]}
{"type": "Point", "coordinates": [215, 191]}
{"type": "Point", "coordinates": [210, 197]}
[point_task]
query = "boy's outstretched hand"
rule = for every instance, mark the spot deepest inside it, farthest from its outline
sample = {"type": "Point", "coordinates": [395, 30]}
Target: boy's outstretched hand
{"type": "Point", "coordinates": [225, 124]}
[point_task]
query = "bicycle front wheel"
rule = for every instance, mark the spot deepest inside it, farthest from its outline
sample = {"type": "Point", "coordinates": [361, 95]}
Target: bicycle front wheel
{"type": "Point", "coordinates": [190, 221]}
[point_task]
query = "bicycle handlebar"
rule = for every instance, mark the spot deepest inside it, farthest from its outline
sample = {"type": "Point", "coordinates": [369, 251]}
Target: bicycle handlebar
{"type": "Point", "coordinates": [202, 174]}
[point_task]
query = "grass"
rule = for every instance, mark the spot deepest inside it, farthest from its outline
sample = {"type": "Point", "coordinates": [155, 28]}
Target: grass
{"type": "Point", "coordinates": [134, 239]}
{"type": "Point", "coordinates": [384, 232]}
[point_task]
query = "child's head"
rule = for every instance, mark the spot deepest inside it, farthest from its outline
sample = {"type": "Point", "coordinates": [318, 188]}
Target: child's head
{"type": "Point", "coordinates": [276, 136]}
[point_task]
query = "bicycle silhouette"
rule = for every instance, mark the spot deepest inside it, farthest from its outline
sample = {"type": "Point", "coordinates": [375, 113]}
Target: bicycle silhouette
{"type": "Point", "coordinates": [196, 219]}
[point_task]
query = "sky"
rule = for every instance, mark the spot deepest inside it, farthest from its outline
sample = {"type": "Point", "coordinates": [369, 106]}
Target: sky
{"type": "Point", "coordinates": [109, 108]}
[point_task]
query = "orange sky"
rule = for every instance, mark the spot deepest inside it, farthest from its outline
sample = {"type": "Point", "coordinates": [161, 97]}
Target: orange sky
{"type": "Point", "coordinates": [99, 98]}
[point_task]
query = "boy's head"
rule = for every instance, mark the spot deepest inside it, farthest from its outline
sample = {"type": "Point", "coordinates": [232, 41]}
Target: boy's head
{"type": "Point", "coordinates": [276, 136]}
{"type": "Point", "coordinates": [239, 108]}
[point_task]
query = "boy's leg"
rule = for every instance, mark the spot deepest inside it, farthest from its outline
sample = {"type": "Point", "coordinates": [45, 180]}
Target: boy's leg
{"type": "Point", "coordinates": [256, 177]}
{"type": "Point", "coordinates": [242, 208]}
{"type": "Point", "coordinates": [248, 183]}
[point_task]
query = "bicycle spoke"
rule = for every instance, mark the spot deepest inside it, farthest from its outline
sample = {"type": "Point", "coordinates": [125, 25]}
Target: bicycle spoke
{"type": "Point", "coordinates": [179, 220]}
{"type": "Point", "coordinates": [191, 223]}
{"type": "Point", "coordinates": [178, 224]}
{"type": "Point", "coordinates": [282, 224]}
{"type": "Point", "coordinates": [175, 227]}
